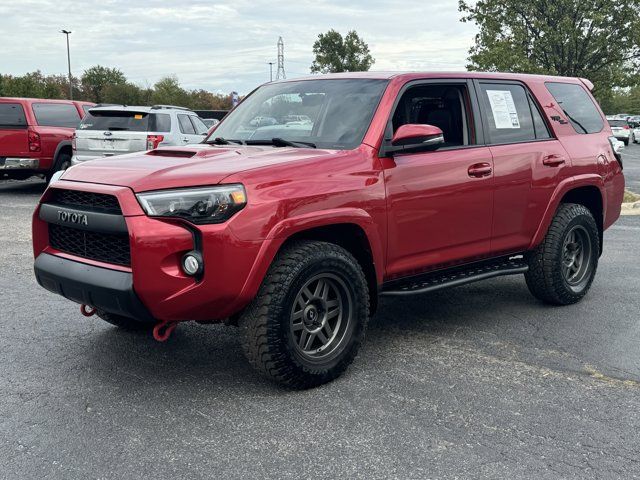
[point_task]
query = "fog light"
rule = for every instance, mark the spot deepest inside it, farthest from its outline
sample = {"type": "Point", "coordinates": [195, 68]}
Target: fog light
{"type": "Point", "coordinates": [192, 263]}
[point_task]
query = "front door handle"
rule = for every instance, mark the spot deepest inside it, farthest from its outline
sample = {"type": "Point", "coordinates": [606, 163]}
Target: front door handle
{"type": "Point", "coordinates": [553, 160]}
{"type": "Point", "coordinates": [478, 170]}
{"type": "Point", "coordinates": [185, 140]}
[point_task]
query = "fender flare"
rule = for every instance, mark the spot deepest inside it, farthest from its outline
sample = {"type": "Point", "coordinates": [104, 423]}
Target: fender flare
{"type": "Point", "coordinates": [284, 229]}
{"type": "Point", "coordinates": [61, 145]}
{"type": "Point", "coordinates": [565, 186]}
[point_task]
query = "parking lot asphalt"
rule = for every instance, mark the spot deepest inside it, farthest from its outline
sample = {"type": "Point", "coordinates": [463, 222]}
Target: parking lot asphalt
{"type": "Point", "coordinates": [477, 381]}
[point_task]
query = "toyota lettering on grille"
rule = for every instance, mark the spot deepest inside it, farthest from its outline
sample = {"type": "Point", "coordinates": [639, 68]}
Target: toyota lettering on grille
{"type": "Point", "coordinates": [73, 217]}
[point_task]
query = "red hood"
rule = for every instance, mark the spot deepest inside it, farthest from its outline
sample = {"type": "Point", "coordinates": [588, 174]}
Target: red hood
{"type": "Point", "coordinates": [183, 166]}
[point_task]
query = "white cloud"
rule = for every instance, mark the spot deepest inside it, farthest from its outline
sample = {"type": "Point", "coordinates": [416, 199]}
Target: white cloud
{"type": "Point", "coordinates": [222, 45]}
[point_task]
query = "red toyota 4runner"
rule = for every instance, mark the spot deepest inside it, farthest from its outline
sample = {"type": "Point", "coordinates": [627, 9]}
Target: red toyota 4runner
{"type": "Point", "coordinates": [316, 196]}
{"type": "Point", "coordinates": [36, 135]}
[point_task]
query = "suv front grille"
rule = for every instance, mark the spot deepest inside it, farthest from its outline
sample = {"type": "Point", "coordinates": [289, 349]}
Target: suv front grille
{"type": "Point", "coordinates": [103, 247]}
{"type": "Point", "coordinates": [95, 201]}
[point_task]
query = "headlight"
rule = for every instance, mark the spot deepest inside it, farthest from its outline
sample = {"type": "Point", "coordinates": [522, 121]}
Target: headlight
{"type": "Point", "coordinates": [197, 205]}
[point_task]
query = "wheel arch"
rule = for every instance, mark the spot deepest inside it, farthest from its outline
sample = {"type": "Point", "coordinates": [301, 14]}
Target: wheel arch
{"type": "Point", "coordinates": [586, 191]}
{"type": "Point", "coordinates": [63, 147]}
{"type": "Point", "coordinates": [353, 238]}
{"type": "Point", "coordinates": [352, 229]}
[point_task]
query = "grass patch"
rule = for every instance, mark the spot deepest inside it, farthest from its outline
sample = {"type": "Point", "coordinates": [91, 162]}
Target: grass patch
{"type": "Point", "coordinates": [630, 197]}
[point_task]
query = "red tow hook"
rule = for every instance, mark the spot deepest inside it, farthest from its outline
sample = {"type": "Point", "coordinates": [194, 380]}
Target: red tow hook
{"type": "Point", "coordinates": [87, 310]}
{"type": "Point", "coordinates": [162, 331]}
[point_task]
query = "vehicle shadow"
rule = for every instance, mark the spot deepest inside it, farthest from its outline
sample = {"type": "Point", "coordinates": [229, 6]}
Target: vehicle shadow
{"type": "Point", "coordinates": [209, 357]}
{"type": "Point", "coordinates": [23, 187]}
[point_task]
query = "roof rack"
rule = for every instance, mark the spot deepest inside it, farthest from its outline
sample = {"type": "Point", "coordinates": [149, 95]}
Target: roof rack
{"type": "Point", "coordinates": [162, 107]}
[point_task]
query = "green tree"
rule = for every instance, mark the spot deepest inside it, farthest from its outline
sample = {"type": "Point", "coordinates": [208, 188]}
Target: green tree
{"type": "Point", "coordinates": [596, 39]}
{"type": "Point", "coordinates": [167, 91]}
{"type": "Point", "coordinates": [125, 93]}
{"type": "Point", "coordinates": [96, 79]}
{"type": "Point", "coordinates": [337, 54]}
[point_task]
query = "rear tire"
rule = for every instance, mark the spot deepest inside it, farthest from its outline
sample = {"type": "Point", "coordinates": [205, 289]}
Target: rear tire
{"type": "Point", "coordinates": [125, 323]}
{"type": "Point", "coordinates": [563, 266]}
{"type": "Point", "coordinates": [306, 324]}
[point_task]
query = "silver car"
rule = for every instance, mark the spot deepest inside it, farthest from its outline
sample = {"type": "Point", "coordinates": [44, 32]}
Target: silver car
{"type": "Point", "coordinates": [116, 130]}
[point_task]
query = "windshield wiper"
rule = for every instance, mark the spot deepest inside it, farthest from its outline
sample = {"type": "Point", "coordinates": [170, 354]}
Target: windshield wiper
{"type": "Point", "coordinates": [224, 141]}
{"type": "Point", "coordinates": [117, 129]}
{"type": "Point", "coordinates": [281, 142]}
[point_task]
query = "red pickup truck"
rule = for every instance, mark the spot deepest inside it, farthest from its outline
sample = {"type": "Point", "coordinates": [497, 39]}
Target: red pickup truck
{"type": "Point", "coordinates": [36, 135]}
{"type": "Point", "coordinates": [316, 196]}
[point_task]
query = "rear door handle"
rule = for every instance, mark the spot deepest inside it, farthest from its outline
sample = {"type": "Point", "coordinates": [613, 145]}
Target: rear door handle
{"type": "Point", "coordinates": [553, 160]}
{"type": "Point", "coordinates": [478, 170]}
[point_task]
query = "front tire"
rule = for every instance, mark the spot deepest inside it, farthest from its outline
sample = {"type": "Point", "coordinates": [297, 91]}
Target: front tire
{"type": "Point", "coordinates": [563, 266]}
{"type": "Point", "coordinates": [306, 324]}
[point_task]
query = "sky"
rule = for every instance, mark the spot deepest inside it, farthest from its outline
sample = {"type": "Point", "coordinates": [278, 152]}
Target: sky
{"type": "Point", "coordinates": [223, 46]}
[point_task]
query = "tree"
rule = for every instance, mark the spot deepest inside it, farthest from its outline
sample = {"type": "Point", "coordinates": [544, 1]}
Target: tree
{"type": "Point", "coordinates": [337, 54]}
{"type": "Point", "coordinates": [167, 91]}
{"type": "Point", "coordinates": [595, 39]}
{"type": "Point", "coordinates": [96, 79]}
{"type": "Point", "coordinates": [124, 93]}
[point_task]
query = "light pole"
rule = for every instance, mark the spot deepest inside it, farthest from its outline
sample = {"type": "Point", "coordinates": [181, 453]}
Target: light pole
{"type": "Point", "coordinates": [271, 71]}
{"type": "Point", "coordinates": [67, 33]}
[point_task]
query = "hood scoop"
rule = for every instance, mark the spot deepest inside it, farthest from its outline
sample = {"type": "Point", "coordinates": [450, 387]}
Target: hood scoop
{"type": "Point", "coordinates": [171, 153]}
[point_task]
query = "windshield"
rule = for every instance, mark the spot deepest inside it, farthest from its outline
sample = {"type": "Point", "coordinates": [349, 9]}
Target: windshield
{"type": "Point", "coordinates": [326, 113]}
{"type": "Point", "coordinates": [617, 123]}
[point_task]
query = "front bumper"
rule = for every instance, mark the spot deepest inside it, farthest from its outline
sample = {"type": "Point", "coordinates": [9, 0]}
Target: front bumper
{"type": "Point", "coordinates": [104, 289]}
{"type": "Point", "coordinates": [156, 250]}
{"type": "Point", "coordinates": [19, 163]}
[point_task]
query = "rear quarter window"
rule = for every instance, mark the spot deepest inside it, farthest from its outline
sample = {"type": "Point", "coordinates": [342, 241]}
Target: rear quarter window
{"type": "Point", "coordinates": [12, 115]}
{"type": "Point", "coordinates": [578, 106]}
{"type": "Point", "coordinates": [56, 115]}
{"type": "Point", "coordinates": [160, 122]}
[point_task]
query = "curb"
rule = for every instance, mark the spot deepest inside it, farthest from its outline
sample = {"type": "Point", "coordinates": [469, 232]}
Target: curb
{"type": "Point", "coordinates": [631, 208]}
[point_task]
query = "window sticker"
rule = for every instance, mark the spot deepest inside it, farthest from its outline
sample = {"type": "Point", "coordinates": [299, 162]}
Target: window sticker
{"type": "Point", "coordinates": [503, 108]}
{"type": "Point", "coordinates": [138, 116]}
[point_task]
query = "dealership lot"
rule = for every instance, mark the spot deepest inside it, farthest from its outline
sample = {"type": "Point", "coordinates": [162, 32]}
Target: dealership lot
{"type": "Point", "coordinates": [476, 381]}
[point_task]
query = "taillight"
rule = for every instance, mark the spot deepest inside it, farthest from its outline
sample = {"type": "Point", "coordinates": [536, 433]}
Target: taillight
{"type": "Point", "coordinates": [153, 141]}
{"type": "Point", "coordinates": [73, 142]}
{"type": "Point", "coordinates": [34, 141]}
{"type": "Point", "coordinates": [616, 146]}
{"type": "Point", "coordinates": [626, 127]}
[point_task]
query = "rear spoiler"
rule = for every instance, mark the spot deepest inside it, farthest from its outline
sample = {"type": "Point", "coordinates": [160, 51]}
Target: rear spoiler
{"type": "Point", "coordinates": [587, 83]}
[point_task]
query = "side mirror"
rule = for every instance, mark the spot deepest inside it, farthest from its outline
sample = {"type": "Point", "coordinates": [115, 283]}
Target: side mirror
{"type": "Point", "coordinates": [415, 137]}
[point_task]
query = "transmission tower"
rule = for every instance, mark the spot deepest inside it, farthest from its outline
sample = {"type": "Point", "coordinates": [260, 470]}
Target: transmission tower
{"type": "Point", "coordinates": [280, 75]}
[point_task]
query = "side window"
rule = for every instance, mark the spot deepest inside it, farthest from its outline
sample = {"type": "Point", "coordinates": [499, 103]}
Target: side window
{"type": "Point", "coordinates": [185, 125]}
{"type": "Point", "coordinates": [159, 122]}
{"type": "Point", "coordinates": [443, 106]}
{"type": "Point", "coordinates": [507, 113]}
{"type": "Point", "coordinates": [542, 131]}
{"type": "Point", "coordinates": [577, 106]}
{"type": "Point", "coordinates": [199, 125]}
{"type": "Point", "coordinates": [12, 115]}
{"type": "Point", "coordinates": [56, 115]}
